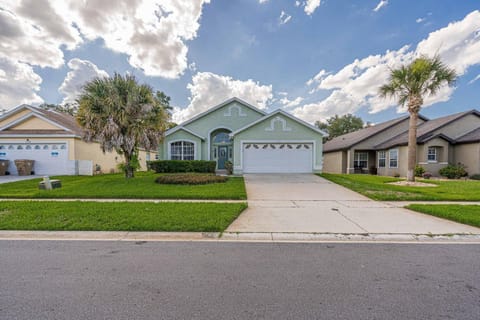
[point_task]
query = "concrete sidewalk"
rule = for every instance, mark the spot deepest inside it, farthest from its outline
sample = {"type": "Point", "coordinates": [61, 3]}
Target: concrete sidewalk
{"type": "Point", "coordinates": [310, 204]}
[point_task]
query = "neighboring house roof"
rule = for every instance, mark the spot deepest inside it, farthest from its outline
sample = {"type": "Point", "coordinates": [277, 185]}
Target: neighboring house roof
{"type": "Point", "coordinates": [62, 120]}
{"type": "Point", "coordinates": [201, 115]}
{"type": "Point", "coordinates": [425, 131]}
{"type": "Point", "coordinates": [472, 136]}
{"type": "Point", "coordinates": [348, 140]}
{"type": "Point", "coordinates": [286, 114]}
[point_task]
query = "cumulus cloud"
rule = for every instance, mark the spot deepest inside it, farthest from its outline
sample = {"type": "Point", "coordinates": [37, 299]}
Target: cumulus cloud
{"type": "Point", "coordinates": [311, 6]}
{"type": "Point", "coordinates": [284, 18]}
{"type": "Point", "coordinates": [81, 71]}
{"type": "Point", "coordinates": [356, 84]}
{"type": "Point", "coordinates": [380, 5]}
{"type": "Point", "coordinates": [18, 83]}
{"type": "Point", "coordinates": [208, 89]}
{"type": "Point", "coordinates": [287, 103]}
{"type": "Point", "coordinates": [152, 33]}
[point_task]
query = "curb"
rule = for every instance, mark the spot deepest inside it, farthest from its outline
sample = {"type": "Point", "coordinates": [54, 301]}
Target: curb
{"type": "Point", "coordinates": [237, 237]}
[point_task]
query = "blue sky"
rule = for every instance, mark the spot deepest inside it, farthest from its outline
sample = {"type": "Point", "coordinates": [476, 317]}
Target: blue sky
{"type": "Point", "coordinates": [312, 58]}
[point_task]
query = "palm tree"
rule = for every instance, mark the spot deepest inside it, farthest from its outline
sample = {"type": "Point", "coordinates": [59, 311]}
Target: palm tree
{"type": "Point", "coordinates": [122, 115]}
{"type": "Point", "coordinates": [410, 84]}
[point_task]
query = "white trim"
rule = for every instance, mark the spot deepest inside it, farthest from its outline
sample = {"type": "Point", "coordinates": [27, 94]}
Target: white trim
{"type": "Point", "coordinates": [178, 128]}
{"type": "Point", "coordinates": [209, 138]}
{"type": "Point", "coordinates": [169, 145]}
{"type": "Point", "coordinates": [378, 159]}
{"type": "Point", "coordinates": [61, 135]}
{"type": "Point", "coordinates": [30, 115]}
{"type": "Point", "coordinates": [200, 115]}
{"type": "Point", "coordinates": [324, 134]}
{"type": "Point", "coordinates": [282, 121]}
{"type": "Point", "coordinates": [228, 113]}
{"type": "Point", "coordinates": [398, 156]}
{"type": "Point", "coordinates": [314, 150]}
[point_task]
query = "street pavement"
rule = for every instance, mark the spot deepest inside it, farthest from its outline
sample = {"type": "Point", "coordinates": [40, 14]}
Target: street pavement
{"type": "Point", "coordinates": [214, 280]}
{"type": "Point", "coordinates": [306, 203]}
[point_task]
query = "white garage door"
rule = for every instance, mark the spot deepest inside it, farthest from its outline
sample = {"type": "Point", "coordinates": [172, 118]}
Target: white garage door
{"type": "Point", "coordinates": [50, 158]}
{"type": "Point", "coordinates": [277, 157]}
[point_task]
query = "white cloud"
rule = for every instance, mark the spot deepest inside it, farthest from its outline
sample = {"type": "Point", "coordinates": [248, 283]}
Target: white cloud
{"type": "Point", "coordinates": [81, 72]}
{"type": "Point", "coordinates": [356, 84]}
{"type": "Point", "coordinates": [208, 89]}
{"type": "Point", "coordinates": [286, 103]}
{"type": "Point", "coordinates": [311, 6]}
{"type": "Point", "coordinates": [420, 20]}
{"type": "Point", "coordinates": [474, 79]}
{"type": "Point", "coordinates": [284, 18]}
{"type": "Point", "coordinates": [380, 5]}
{"type": "Point", "coordinates": [262, 1]}
{"type": "Point", "coordinates": [18, 84]}
{"type": "Point", "coordinates": [297, 3]}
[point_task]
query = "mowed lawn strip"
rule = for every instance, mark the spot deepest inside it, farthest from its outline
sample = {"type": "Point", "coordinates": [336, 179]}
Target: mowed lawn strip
{"type": "Point", "coordinates": [467, 214]}
{"type": "Point", "coordinates": [377, 188]}
{"type": "Point", "coordinates": [117, 216]}
{"type": "Point", "coordinates": [111, 186]}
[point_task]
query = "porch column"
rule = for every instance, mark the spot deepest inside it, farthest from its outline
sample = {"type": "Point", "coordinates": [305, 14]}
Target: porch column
{"type": "Point", "coordinates": [350, 154]}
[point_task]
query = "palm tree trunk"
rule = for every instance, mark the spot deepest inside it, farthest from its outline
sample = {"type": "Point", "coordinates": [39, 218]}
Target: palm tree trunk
{"type": "Point", "coordinates": [412, 146]}
{"type": "Point", "coordinates": [128, 167]}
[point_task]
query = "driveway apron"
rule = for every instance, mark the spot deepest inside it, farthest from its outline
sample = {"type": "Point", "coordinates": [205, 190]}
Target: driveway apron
{"type": "Point", "coordinates": [309, 203]}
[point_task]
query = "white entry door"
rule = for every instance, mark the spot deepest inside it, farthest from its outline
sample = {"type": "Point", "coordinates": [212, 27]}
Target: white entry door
{"type": "Point", "coordinates": [50, 158]}
{"type": "Point", "coordinates": [277, 157]}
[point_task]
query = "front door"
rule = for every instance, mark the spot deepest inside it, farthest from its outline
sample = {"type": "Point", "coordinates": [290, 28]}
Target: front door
{"type": "Point", "coordinates": [222, 156]}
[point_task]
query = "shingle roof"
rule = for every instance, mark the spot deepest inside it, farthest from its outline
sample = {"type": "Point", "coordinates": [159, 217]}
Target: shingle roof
{"type": "Point", "coordinates": [62, 119]}
{"type": "Point", "coordinates": [425, 131]}
{"type": "Point", "coordinates": [472, 136]}
{"type": "Point", "coordinates": [348, 140]}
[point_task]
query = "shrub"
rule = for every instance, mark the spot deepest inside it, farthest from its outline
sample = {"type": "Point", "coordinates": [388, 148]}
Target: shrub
{"type": "Point", "coordinates": [453, 171]}
{"type": "Point", "coordinates": [396, 175]}
{"type": "Point", "coordinates": [419, 171]}
{"type": "Point", "coordinates": [174, 166]}
{"type": "Point", "coordinates": [475, 176]}
{"type": "Point", "coordinates": [185, 178]}
{"type": "Point", "coordinates": [427, 175]}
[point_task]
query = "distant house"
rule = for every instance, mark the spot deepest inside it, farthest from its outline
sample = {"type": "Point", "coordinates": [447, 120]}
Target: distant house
{"type": "Point", "coordinates": [383, 148]}
{"type": "Point", "coordinates": [253, 140]}
{"type": "Point", "coordinates": [54, 141]}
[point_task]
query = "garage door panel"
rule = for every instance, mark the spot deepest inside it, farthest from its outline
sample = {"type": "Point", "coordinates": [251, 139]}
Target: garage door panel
{"type": "Point", "coordinates": [277, 158]}
{"type": "Point", "coordinates": [50, 158]}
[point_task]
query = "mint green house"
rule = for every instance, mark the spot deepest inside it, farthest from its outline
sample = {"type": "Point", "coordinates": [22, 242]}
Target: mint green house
{"type": "Point", "coordinates": [254, 141]}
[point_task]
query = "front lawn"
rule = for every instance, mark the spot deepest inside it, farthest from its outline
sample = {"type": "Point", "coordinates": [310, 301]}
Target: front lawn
{"type": "Point", "coordinates": [118, 216]}
{"type": "Point", "coordinates": [143, 186]}
{"type": "Point", "coordinates": [467, 214]}
{"type": "Point", "coordinates": [376, 187]}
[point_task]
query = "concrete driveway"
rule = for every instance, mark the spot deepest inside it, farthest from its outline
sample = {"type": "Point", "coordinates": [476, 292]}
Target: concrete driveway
{"type": "Point", "coordinates": [308, 203]}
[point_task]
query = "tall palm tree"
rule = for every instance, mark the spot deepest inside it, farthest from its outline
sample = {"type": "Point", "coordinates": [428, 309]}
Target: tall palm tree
{"type": "Point", "coordinates": [122, 115]}
{"type": "Point", "coordinates": [410, 84]}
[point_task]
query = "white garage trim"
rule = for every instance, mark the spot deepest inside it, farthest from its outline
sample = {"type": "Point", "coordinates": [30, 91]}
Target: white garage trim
{"type": "Point", "coordinates": [312, 142]}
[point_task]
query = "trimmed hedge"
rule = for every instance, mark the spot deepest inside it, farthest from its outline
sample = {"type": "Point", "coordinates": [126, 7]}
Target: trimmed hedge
{"type": "Point", "coordinates": [186, 178]}
{"type": "Point", "coordinates": [475, 176]}
{"type": "Point", "coordinates": [173, 166]}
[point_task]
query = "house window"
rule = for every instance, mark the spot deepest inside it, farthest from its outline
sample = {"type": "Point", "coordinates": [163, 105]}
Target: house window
{"type": "Point", "coordinates": [360, 160]}
{"type": "Point", "coordinates": [393, 155]}
{"type": "Point", "coordinates": [432, 154]}
{"type": "Point", "coordinates": [382, 159]}
{"type": "Point", "coordinates": [182, 150]}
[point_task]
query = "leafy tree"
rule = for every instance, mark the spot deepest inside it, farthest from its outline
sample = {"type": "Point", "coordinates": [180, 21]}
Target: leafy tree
{"type": "Point", "coordinates": [122, 115]}
{"type": "Point", "coordinates": [410, 84]}
{"type": "Point", "coordinates": [338, 125]}
{"type": "Point", "coordinates": [69, 108]}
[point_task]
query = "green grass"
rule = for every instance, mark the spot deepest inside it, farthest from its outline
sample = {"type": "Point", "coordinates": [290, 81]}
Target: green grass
{"type": "Point", "coordinates": [117, 216]}
{"type": "Point", "coordinates": [376, 187]}
{"type": "Point", "coordinates": [143, 186]}
{"type": "Point", "coordinates": [467, 214]}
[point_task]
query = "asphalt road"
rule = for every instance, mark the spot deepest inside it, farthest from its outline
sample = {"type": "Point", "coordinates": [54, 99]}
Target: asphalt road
{"type": "Point", "coordinates": [198, 280]}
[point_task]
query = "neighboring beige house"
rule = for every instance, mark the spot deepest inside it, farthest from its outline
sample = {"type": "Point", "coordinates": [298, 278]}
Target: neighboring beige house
{"type": "Point", "coordinates": [383, 148]}
{"type": "Point", "coordinates": [54, 141]}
